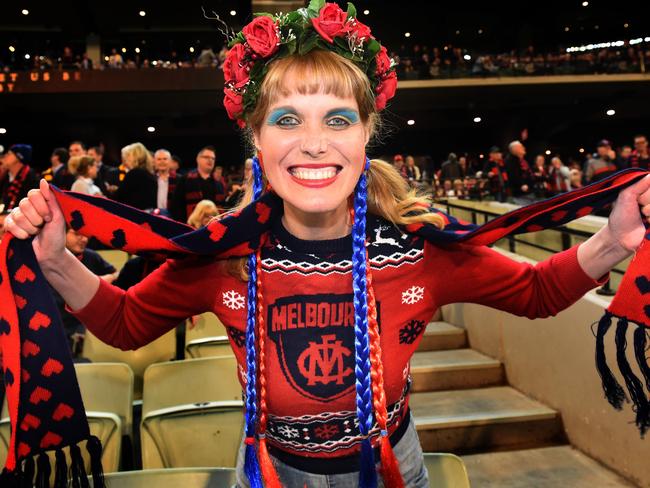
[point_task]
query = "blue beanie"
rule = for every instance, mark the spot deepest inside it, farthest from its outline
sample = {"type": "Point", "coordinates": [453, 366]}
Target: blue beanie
{"type": "Point", "coordinates": [22, 152]}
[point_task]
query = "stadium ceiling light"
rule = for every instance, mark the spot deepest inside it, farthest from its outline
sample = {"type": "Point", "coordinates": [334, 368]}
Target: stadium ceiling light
{"type": "Point", "coordinates": [106, 58]}
{"type": "Point", "coordinates": [457, 32]}
{"type": "Point", "coordinates": [581, 150]}
{"type": "Point", "coordinates": [12, 49]}
{"type": "Point", "coordinates": [142, 13]}
{"type": "Point", "coordinates": [3, 130]}
{"type": "Point", "coordinates": [585, 4]}
{"type": "Point", "coordinates": [481, 156]}
{"type": "Point", "coordinates": [137, 50]}
{"type": "Point", "coordinates": [123, 49]}
{"type": "Point", "coordinates": [477, 119]}
{"type": "Point", "coordinates": [467, 57]}
{"type": "Point", "coordinates": [155, 63]}
{"type": "Point", "coordinates": [611, 112]}
{"type": "Point", "coordinates": [151, 128]}
{"type": "Point", "coordinates": [25, 11]}
{"type": "Point", "coordinates": [548, 152]}
{"type": "Point", "coordinates": [191, 49]}
{"type": "Point", "coordinates": [410, 122]}
{"type": "Point", "coordinates": [407, 34]}
{"type": "Point", "coordinates": [233, 12]}
{"type": "Point", "coordinates": [596, 27]}
{"type": "Point", "coordinates": [27, 56]}
{"type": "Point", "coordinates": [626, 25]}
{"type": "Point", "coordinates": [567, 29]}
{"type": "Point", "coordinates": [366, 12]}
{"type": "Point", "coordinates": [480, 31]}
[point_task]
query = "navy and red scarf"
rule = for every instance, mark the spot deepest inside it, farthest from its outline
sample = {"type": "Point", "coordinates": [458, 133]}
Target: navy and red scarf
{"type": "Point", "coordinates": [45, 405]}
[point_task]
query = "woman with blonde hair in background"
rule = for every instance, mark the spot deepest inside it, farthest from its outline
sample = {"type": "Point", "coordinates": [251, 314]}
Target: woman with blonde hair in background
{"type": "Point", "coordinates": [204, 211]}
{"type": "Point", "coordinates": [139, 188]}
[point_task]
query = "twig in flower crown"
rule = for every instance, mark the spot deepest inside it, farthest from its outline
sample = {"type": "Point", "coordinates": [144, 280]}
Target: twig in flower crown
{"type": "Point", "coordinates": [227, 33]}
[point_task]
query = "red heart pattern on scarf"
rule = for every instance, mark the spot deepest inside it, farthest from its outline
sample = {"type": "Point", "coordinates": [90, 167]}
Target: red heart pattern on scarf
{"type": "Point", "coordinates": [24, 274]}
{"type": "Point", "coordinates": [39, 320]}
{"type": "Point", "coordinates": [51, 366]}
{"type": "Point", "coordinates": [63, 411]}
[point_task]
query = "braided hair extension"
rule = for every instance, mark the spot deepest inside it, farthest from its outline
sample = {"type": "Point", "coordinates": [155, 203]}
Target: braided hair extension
{"type": "Point", "coordinates": [367, 472]}
{"type": "Point", "coordinates": [269, 474]}
{"type": "Point", "coordinates": [389, 467]}
{"type": "Point", "coordinates": [251, 465]}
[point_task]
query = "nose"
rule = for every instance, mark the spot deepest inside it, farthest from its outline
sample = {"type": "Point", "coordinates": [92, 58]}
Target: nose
{"type": "Point", "coordinates": [314, 142]}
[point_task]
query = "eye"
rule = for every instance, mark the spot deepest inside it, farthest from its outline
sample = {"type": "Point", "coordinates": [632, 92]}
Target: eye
{"type": "Point", "coordinates": [338, 122]}
{"type": "Point", "coordinates": [287, 121]}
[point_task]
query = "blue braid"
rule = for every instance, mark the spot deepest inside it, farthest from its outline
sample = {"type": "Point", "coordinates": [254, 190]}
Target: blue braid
{"type": "Point", "coordinates": [251, 464]}
{"type": "Point", "coordinates": [367, 472]}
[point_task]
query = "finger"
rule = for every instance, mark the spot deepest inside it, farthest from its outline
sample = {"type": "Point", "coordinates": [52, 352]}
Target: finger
{"type": "Point", "coordinates": [639, 188]}
{"type": "Point", "coordinates": [645, 210]}
{"type": "Point", "coordinates": [12, 228]}
{"type": "Point", "coordinates": [48, 195]}
{"type": "Point", "coordinates": [37, 199]}
{"type": "Point", "coordinates": [21, 221]}
{"type": "Point", "coordinates": [30, 213]}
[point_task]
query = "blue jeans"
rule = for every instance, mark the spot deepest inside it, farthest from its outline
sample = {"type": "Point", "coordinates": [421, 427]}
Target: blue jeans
{"type": "Point", "coordinates": [407, 451]}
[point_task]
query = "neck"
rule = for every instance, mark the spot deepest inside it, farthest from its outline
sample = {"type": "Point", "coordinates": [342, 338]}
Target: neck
{"type": "Point", "coordinates": [15, 168]}
{"type": "Point", "coordinates": [203, 174]}
{"type": "Point", "coordinates": [163, 173]}
{"type": "Point", "coordinates": [317, 226]}
{"type": "Point", "coordinates": [56, 166]}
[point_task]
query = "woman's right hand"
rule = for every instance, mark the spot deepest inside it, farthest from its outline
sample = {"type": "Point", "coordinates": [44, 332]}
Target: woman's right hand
{"type": "Point", "coordinates": [39, 215]}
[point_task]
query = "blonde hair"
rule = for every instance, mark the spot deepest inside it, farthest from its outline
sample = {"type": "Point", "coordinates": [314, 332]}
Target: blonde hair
{"type": "Point", "coordinates": [78, 165]}
{"type": "Point", "coordinates": [142, 157]}
{"type": "Point", "coordinates": [321, 71]}
{"type": "Point", "coordinates": [201, 209]}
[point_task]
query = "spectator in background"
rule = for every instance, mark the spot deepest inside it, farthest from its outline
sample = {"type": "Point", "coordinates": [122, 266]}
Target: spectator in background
{"type": "Point", "coordinates": [175, 164]}
{"type": "Point", "coordinates": [576, 178]}
{"type": "Point", "coordinates": [238, 189]}
{"type": "Point", "coordinates": [84, 168]}
{"type": "Point", "coordinates": [76, 148]}
{"type": "Point", "coordinates": [139, 188]}
{"type": "Point", "coordinates": [197, 185]}
{"type": "Point", "coordinates": [18, 177]}
{"type": "Point", "coordinates": [640, 157]}
{"type": "Point", "coordinates": [450, 169]}
{"type": "Point", "coordinates": [166, 179]}
{"type": "Point", "coordinates": [58, 173]}
{"type": "Point", "coordinates": [103, 170]}
{"type": "Point", "coordinates": [559, 177]}
{"type": "Point", "coordinates": [602, 165]}
{"type": "Point", "coordinates": [540, 173]}
{"type": "Point", "coordinates": [115, 60]}
{"type": "Point", "coordinates": [497, 175]}
{"type": "Point", "coordinates": [203, 213]}
{"type": "Point", "coordinates": [413, 174]}
{"type": "Point", "coordinates": [622, 160]}
{"type": "Point", "coordinates": [398, 163]}
{"type": "Point", "coordinates": [76, 244]}
{"type": "Point", "coordinates": [207, 58]}
{"type": "Point", "coordinates": [520, 174]}
{"type": "Point", "coordinates": [218, 177]}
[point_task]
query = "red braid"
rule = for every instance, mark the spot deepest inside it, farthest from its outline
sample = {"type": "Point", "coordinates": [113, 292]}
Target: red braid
{"type": "Point", "coordinates": [269, 474]}
{"type": "Point", "coordinates": [389, 468]}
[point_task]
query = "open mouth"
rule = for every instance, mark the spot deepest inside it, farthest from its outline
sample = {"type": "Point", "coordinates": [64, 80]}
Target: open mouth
{"type": "Point", "coordinates": [314, 172]}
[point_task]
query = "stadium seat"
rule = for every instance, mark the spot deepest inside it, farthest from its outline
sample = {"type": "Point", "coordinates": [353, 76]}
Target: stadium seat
{"type": "Point", "coordinates": [108, 387]}
{"type": "Point", "coordinates": [115, 257]}
{"type": "Point", "coordinates": [204, 325]}
{"type": "Point", "coordinates": [191, 413]}
{"type": "Point", "coordinates": [162, 349]}
{"type": "Point", "coordinates": [173, 478]}
{"type": "Point", "coordinates": [446, 471]}
{"type": "Point", "coordinates": [207, 347]}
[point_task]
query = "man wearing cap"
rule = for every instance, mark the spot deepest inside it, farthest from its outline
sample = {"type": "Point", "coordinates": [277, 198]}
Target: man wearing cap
{"type": "Point", "coordinates": [18, 177]}
{"type": "Point", "coordinates": [602, 165]}
{"type": "Point", "coordinates": [495, 171]}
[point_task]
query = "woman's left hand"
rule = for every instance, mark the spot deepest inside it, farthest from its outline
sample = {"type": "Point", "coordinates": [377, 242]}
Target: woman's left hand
{"type": "Point", "coordinates": [625, 221]}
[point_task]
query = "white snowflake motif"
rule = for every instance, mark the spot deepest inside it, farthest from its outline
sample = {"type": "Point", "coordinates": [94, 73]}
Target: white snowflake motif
{"type": "Point", "coordinates": [233, 300]}
{"type": "Point", "coordinates": [413, 295]}
{"type": "Point", "coordinates": [288, 432]}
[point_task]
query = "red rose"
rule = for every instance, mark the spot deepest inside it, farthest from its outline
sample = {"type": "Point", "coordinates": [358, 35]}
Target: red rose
{"type": "Point", "coordinates": [235, 70]}
{"type": "Point", "coordinates": [385, 90]}
{"type": "Point", "coordinates": [262, 36]}
{"type": "Point", "coordinates": [234, 103]}
{"type": "Point", "coordinates": [383, 62]}
{"type": "Point", "coordinates": [361, 30]}
{"type": "Point", "coordinates": [331, 22]}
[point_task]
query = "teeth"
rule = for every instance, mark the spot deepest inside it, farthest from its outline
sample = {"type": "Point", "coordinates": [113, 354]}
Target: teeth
{"type": "Point", "coordinates": [314, 174]}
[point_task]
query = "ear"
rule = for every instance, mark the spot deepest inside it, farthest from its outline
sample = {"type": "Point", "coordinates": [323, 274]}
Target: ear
{"type": "Point", "coordinates": [256, 140]}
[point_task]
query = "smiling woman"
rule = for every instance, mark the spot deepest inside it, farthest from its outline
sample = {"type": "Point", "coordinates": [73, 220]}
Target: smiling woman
{"type": "Point", "coordinates": [327, 274]}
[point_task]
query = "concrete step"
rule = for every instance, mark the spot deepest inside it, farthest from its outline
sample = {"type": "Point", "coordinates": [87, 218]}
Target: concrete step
{"type": "Point", "coordinates": [442, 335]}
{"type": "Point", "coordinates": [497, 417]}
{"type": "Point", "coordinates": [548, 467]}
{"type": "Point", "coordinates": [454, 369]}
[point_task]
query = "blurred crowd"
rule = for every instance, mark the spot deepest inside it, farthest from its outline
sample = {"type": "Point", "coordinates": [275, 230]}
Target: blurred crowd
{"type": "Point", "coordinates": [418, 61]}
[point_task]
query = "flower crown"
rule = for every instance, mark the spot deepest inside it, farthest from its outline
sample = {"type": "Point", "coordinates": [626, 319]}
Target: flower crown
{"type": "Point", "coordinates": [319, 26]}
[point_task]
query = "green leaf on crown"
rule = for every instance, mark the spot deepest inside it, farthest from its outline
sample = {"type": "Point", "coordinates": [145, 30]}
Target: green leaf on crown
{"type": "Point", "coordinates": [294, 17]}
{"type": "Point", "coordinates": [314, 7]}
{"type": "Point", "coordinates": [373, 47]}
{"type": "Point", "coordinates": [309, 42]}
{"type": "Point", "coordinates": [352, 12]}
{"type": "Point", "coordinates": [263, 14]}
